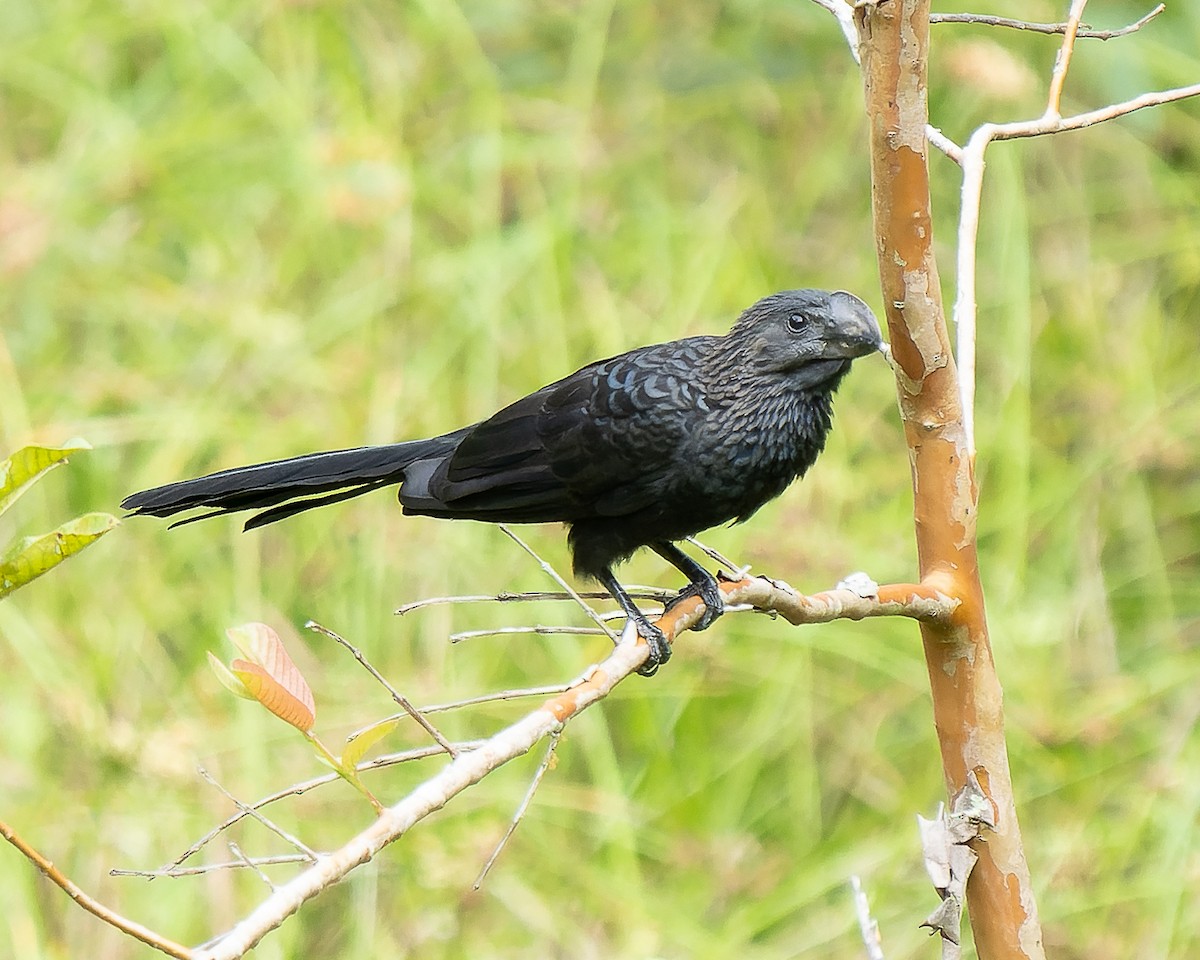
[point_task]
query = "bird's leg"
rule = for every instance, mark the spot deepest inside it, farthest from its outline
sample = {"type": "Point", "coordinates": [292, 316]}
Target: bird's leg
{"type": "Point", "coordinates": [703, 584]}
{"type": "Point", "coordinates": [660, 650]}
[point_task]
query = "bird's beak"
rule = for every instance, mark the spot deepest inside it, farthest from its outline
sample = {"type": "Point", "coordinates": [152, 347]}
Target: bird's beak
{"type": "Point", "coordinates": [853, 330]}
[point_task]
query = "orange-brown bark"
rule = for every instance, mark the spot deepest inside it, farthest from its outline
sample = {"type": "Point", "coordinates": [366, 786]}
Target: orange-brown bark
{"type": "Point", "coordinates": [967, 700]}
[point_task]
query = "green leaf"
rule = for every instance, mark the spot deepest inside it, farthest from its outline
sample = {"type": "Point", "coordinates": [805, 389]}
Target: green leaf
{"type": "Point", "coordinates": [29, 463]}
{"type": "Point", "coordinates": [227, 678]}
{"type": "Point", "coordinates": [29, 558]}
{"type": "Point", "coordinates": [357, 747]}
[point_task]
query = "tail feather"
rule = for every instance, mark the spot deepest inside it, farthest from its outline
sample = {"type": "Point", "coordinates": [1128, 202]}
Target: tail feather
{"type": "Point", "coordinates": [289, 486]}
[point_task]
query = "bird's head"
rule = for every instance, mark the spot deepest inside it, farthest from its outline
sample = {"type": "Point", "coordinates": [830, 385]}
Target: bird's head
{"type": "Point", "coordinates": [808, 336]}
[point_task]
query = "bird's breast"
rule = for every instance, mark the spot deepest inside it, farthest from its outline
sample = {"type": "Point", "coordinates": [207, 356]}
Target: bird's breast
{"type": "Point", "coordinates": [749, 452]}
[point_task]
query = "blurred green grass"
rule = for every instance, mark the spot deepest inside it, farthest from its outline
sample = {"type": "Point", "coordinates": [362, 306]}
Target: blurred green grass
{"type": "Point", "coordinates": [232, 231]}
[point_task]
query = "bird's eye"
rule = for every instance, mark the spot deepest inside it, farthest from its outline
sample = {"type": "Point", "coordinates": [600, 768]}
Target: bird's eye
{"type": "Point", "coordinates": [797, 322]}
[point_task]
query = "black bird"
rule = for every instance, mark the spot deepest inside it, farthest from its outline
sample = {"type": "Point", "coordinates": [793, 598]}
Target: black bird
{"type": "Point", "coordinates": [639, 450]}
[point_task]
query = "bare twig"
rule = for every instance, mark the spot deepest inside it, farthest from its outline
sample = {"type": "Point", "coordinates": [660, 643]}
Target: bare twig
{"type": "Point", "coordinates": [396, 695]}
{"type": "Point", "coordinates": [844, 12]}
{"type": "Point", "coordinates": [538, 629]}
{"type": "Point", "coordinates": [1038, 128]}
{"type": "Point", "coordinates": [557, 577]}
{"type": "Point", "coordinates": [242, 862]}
{"type": "Point", "coordinates": [738, 571]}
{"type": "Point", "coordinates": [1062, 62]}
{"type": "Point", "coordinates": [483, 698]}
{"type": "Point", "coordinates": [638, 593]}
{"type": "Point", "coordinates": [1083, 33]}
{"type": "Point", "coordinates": [501, 695]}
{"type": "Point", "coordinates": [249, 864]}
{"type": "Point", "coordinates": [295, 790]}
{"type": "Point", "coordinates": [515, 694]}
{"type": "Point", "coordinates": [90, 904]}
{"type": "Point", "coordinates": [940, 141]}
{"type": "Point", "coordinates": [519, 815]}
{"type": "Point", "coordinates": [866, 923]}
{"type": "Point", "coordinates": [288, 838]}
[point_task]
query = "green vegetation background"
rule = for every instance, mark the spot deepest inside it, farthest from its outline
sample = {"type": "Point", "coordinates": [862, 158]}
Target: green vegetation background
{"type": "Point", "coordinates": [237, 231]}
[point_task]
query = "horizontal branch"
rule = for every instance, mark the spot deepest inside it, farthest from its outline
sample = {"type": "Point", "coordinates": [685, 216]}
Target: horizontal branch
{"type": "Point", "coordinates": [987, 20]}
{"type": "Point", "coordinates": [910, 600]}
{"type": "Point", "coordinates": [914, 600]}
{"type": "Point", "coordinates": [1049, 124]}
{"type": "Point", "coordinates": [216, 867]}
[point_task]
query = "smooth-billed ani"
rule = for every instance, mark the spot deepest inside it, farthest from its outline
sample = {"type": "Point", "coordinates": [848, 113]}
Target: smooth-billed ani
{"type": "Point", "coordinates": [640, 450]}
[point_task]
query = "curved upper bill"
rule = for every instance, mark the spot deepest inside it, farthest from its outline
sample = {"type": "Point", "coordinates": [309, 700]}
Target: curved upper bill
{"type": "Point", "coordinates": [853, 330]}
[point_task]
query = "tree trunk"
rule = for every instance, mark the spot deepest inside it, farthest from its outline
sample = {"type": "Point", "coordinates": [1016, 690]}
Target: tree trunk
{"type": "Point", "coordinates": [967, 700]}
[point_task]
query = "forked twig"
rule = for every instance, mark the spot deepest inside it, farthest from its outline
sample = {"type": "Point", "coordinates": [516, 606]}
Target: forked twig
{"type": "Point", "coordinates": [174, 869]}
{"type": "Point", "coordinates": [971, 156]}
{"type": "Point", "coordinates": [558, 578]}
{"type": "Point", "coordinates": [251, 811]}
{"type": "Point", "coordinates": [965, 307]}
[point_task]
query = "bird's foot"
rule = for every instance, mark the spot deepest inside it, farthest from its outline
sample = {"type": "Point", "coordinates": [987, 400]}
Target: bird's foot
{"type": "Point", "coordinates": [656, 640]}
{"type": "Point", "coordinates": [710, 593]}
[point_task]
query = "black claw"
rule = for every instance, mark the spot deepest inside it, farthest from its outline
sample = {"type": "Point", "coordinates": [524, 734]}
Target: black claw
{"type": "Point", "coordinates": [710, 593]}
{"type": "Point", "coordinates": [656, 640]}
{"type": "Point", "coordinates": [703, 584]}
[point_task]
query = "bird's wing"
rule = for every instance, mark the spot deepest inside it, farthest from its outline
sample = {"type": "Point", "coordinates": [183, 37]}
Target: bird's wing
{"type": "Point", "coordinates": [597, 443]}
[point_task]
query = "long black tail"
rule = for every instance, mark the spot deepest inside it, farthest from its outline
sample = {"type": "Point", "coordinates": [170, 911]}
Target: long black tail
{"type": "Point", "coordinates": [289, 486]}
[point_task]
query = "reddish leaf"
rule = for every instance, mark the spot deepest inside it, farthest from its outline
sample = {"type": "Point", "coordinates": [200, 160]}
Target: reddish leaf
{"type": "Point", "coordinates": [270, 676]}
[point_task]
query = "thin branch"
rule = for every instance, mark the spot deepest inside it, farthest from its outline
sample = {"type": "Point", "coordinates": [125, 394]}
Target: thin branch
{"type": "Point", "coordinates": [940, 141]}
{"type": "Point", "coordinates": [284, 835]}
{"type": "Point", "coordinates": [249, 864]}
{"type": "Point", "coordinates": [557, 577]}
{"type": "Point", "coordinates": [514, 694]}
{"type": "Point", "coordinates": [1038, 128]}
{"type": "Point", "coordinates": [539, 629]}
{"type": "Point", "coordinates": [1062, 62]}
{"type": "Point", "coordinates": [912, 600]}
{"type": "Point", "coordinates": [844, 12]}
{"type": "Point", "coordinates": [866, 923]}
{"type": "Point", "coordinates": [738, 571]}
{"type": "Point", "coordinates": [242, 862]}
{"type": "Point", "coordinates": [396, 695]}
{"type": "Point", "coordinates": [519, 814]}
{"type": "Point", "coordinates": [296, 790]}
{"type": "Point", "coordinates": [91, 905]}
{"type": "Point", "coordinates": [501, 695]}
{"type": "Point", "coordinates": [638, 593]}
{"type": "Point", "coordinates": [1083, 33]}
